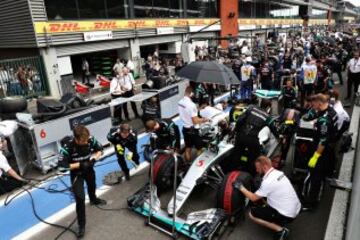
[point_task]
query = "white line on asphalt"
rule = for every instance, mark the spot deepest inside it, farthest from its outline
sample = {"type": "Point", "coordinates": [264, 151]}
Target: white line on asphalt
{"type": "Point", "coordinates": [36, 229]}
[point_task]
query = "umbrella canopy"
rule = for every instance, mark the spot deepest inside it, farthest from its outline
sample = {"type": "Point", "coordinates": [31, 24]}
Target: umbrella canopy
{"type": "Point", "coordinates": [209, 72]}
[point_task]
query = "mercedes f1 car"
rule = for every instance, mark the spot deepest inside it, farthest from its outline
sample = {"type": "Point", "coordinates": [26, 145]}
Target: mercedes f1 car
{"type": "Point", "coordinates": [205, 169]}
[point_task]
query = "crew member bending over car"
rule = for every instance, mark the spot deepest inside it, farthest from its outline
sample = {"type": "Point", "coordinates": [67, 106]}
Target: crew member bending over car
{"type": "Point", "coordinates": [247, 139]}
{"type": "Point", "coordinates": [167, 132]}
{"type": "Point", "coordinates": [79, 154]}
{"type": "Point", "coordinates": [123, 137]}
{"type": "Point", "coordinates": [283, 205]}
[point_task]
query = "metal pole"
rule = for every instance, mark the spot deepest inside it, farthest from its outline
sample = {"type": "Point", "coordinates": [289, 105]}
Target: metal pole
{"type": "Point", "coordinates": [151, 185]}
{"type": "Point", "coordinates": [174, 193]}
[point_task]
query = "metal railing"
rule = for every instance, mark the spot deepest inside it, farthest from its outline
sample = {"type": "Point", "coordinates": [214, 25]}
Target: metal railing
{"type": "Point", "coordinates": [23, 77]}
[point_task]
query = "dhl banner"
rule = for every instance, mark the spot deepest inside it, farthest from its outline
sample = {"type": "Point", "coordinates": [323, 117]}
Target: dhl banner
{"type": "Point", "coordinates": [85, 26]}
{"type": "Point", "coordinates": [101, 25]}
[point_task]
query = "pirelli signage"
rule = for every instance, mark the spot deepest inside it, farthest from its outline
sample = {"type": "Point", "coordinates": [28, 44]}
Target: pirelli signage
{"type": "Point", "coordinates": [114, 25]}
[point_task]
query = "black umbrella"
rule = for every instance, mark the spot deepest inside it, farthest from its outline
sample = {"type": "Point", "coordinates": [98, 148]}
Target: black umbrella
{"type": "Point", "coordinates": [209, 72]}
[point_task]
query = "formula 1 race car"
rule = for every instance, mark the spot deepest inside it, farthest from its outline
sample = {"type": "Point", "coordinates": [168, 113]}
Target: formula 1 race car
{"type": "Point", "coordinates": [204, 170]}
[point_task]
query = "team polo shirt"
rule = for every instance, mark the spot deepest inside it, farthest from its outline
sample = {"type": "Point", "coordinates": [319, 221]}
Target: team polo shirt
{"type": "Point", "coordinates": [187, 110]}
{"type": "Point", "coordinates": [4, 165]}
{"type": "Point", "coordinates": [280, 194]}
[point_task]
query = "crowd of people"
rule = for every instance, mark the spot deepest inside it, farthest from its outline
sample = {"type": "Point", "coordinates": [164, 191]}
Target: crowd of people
{"type": "Point", "coordinates": [22, 81]}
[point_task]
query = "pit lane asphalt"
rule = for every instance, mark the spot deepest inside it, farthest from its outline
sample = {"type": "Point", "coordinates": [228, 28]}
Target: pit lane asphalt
{"type": "Point", "coordinates": [125, 224]}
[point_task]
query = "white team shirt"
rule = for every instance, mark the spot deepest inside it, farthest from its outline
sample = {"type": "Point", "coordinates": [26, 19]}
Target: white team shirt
{"type": "Point", "coordinates": [341, 114]}
{"type": "Point", "coordinates": [212, 113]}
{"type": "Point", "coordinates": [280, 194]}
{"type": "Point", "coordinates": [187, 110]}
{"type": "Point", "coordinates": [354, 65]}
{"type": "Point", "coordinates": [310, 73]}
{"type": "Point", "coordinates": [4, 165]}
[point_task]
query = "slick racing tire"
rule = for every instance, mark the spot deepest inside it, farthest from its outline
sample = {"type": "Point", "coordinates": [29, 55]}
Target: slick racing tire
{"type": "Point", "coordinates": [13, 104]}
{"type": "Point", "coordinates": [163, 171]}
{"type": "Point", "coordinates": [229, 198]}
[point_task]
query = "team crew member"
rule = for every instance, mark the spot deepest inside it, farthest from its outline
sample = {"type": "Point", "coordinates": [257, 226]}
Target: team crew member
{"type": "Point", "coordinates": [79, 154]}
{"type": "Point", "coordinates": [322, 161]}
{"type": "Point", "coordinates": [266, 76]}
{"type": "Point", "coordinates": [247, 141]}
{"type": "Point", "coordinates": [343, 122]}
{"type": "Point", "coordinates": [248, 74]}
{"type": "Point", "coordinates": [288, 93]}
{"type": "Point", "coordinates": [123, 137]}
{"type": "Point", "coordinates": [353, 68]}
{"type": "Point", "coordinates": [201, 95]}
{"type": "Point", "coordinates": [9, 179]}
{"type": "Point", "coordinates": [151, 109]}
{"type": "Point", "coordinates": [283, 204]}
{"type": "Point", "coordinates": [188, 113]}
{"type": "Point", "coordinates": [167, 132]}
{"type": "Point", "coordinates": [322, 79]}
{"type": "Point", "coordinates": [309, 74]}
{"type": "Point", "coordinates": [214, 114]}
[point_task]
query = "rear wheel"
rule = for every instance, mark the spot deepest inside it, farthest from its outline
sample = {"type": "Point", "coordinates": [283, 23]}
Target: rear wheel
{"type": "Point", "coordinates": [230, 199]}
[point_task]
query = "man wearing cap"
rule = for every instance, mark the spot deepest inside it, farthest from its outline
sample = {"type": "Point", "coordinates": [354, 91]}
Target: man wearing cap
{"type": "Point", "coordinates": [123, 137]}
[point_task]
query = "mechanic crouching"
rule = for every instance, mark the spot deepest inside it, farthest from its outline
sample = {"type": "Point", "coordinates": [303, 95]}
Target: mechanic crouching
{"type": "Point", "coordinates": [167, 132]}
{"type": "Point", "coordinates": [123, 137]}
{"type": "Point", "coordinates": [283, 204]}
{"type": "Point", "coordinates": [78, 154]}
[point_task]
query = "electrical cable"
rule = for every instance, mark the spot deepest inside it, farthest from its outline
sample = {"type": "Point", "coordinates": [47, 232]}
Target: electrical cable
{"type": "Point", "coordinates": [52, 188]}
{"type": "Point", "coordinates": [8, 200]}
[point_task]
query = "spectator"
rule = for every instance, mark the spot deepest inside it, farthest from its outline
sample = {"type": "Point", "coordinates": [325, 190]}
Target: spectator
{"type": "Point", "coordinates": [118, 66]}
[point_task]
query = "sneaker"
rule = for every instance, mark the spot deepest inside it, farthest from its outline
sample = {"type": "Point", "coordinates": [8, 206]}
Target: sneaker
{"type": "Point", "coordinates": [81, 232]}
{"type": "Point", "coordinates": [98, 201]}
{"type": "Point", "coordinates": [282, 235]}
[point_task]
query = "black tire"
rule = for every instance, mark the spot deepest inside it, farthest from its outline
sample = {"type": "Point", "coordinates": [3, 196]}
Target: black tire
{"type": "Point", "coordinates": [163, 171]}
{"type": "Point", "coordinates": [230, 199]}
{"type": "Point", "coordinates": [13, 105]}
